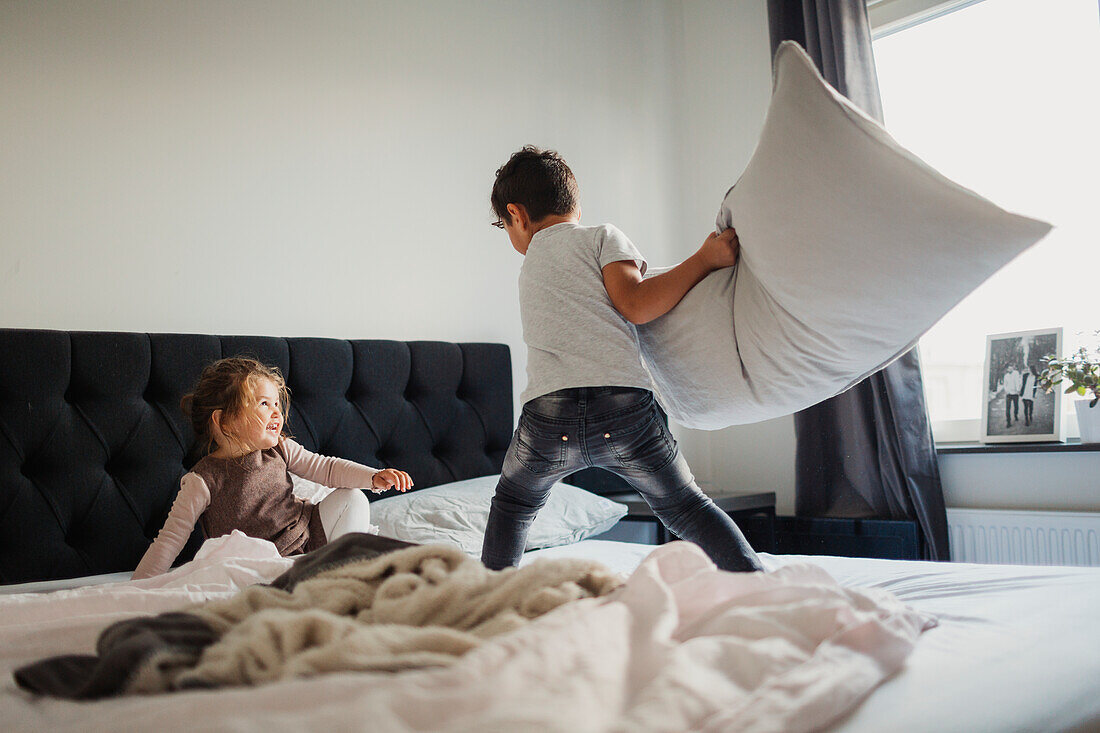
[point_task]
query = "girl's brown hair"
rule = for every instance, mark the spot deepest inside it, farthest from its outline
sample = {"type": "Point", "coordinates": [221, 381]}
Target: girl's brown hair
{"type": "Point", "coordinates": [228, 385]}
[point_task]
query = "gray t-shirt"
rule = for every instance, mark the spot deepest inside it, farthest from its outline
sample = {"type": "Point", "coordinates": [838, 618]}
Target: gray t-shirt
{"type": "Point", "coordinates": [575, 337]}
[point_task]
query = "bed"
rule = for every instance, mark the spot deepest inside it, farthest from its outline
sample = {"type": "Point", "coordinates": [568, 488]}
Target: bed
{"type": "Point", "coordinates": [92, 447]}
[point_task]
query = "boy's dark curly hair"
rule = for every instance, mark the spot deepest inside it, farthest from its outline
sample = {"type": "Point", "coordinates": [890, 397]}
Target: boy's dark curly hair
{"type": "Point", "coordinates": [537, 179]}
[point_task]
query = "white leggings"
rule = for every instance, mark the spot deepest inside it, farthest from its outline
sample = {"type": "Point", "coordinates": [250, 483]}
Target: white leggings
{"type": "Point", "coordinates": [344, 511]}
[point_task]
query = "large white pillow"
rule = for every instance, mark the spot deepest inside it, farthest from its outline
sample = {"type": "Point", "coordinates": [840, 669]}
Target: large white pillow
{"type": "Point", "coordinates": [851, 248]}
{"type": "Point", "coordinates": [456, 514]}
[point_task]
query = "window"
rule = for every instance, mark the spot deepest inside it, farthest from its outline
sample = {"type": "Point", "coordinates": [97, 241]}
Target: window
{"type": "Point", "coordinates": [1003, 96]}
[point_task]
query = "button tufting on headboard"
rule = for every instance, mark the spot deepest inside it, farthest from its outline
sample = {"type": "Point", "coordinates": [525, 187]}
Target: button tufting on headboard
{"type": "Point", "coordinates": [93, 444]}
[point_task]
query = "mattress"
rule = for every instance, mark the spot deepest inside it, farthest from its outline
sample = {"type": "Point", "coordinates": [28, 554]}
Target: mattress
{"type": "Point", "coordinates": [1015, 648]}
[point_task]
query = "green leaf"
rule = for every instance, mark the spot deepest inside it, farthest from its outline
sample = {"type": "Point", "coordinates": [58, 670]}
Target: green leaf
{"type": "Point", "coordinates": [1081, 390]}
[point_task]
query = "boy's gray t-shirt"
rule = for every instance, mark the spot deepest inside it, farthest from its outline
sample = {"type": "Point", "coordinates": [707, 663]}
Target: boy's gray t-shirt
{"type": "Point", "coordinates": [575, 337]}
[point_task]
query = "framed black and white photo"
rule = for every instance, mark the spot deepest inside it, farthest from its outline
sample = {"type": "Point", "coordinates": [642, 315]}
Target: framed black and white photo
{"type": "Point", "coordinates": [1017, 409]}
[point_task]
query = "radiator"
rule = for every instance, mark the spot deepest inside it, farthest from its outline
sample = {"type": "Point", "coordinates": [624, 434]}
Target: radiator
{"type": "Point", "coordinates": [1024, 538]}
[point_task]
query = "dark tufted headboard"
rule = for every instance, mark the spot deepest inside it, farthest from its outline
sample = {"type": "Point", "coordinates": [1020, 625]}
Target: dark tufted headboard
{"type": "Point", "coordinates": [93, 443]}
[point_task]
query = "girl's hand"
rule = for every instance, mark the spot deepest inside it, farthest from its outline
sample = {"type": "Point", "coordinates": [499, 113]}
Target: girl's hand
{"type": "Point", "coordinates": [720, 250]}
{"type": "Point", "coordinates": [391, 478]}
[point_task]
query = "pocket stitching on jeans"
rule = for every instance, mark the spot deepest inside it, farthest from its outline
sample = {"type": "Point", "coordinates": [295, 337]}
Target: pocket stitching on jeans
{"type": "Point", "coordinates": [634, 467]}
{"type": "Point", "coordinates": [550, 464]}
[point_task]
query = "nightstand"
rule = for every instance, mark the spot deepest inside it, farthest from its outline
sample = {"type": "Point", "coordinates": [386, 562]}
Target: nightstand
{"type": "Point", "coordinates": [753, 512]}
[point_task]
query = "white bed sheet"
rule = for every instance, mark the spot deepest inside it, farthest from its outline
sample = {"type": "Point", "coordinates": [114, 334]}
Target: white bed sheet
{"type": "Point", "coordinates": [1017, 648]}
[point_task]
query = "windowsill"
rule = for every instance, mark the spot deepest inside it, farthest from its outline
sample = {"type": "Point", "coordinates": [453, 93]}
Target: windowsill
{"type": "Point", "coordinates": [1070, 445]}
{"type": "Point", "coordinates": [960, 436]}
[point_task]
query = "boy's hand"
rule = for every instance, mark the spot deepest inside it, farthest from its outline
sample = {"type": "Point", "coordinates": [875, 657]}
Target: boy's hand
{"type": "Point", "coordinates": [641, 300]}
{"type": "Point", "coordinates": [391, 478]}
{"type": "Point", "coordinates": [720, 250]}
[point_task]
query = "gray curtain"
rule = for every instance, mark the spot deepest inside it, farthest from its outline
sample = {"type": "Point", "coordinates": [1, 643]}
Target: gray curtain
{"type": "Point", "coordinates": [867, 452]}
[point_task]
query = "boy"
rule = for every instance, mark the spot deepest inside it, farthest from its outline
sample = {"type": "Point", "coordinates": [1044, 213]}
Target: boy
{"type": "Point", "coordinates": [588, 400]}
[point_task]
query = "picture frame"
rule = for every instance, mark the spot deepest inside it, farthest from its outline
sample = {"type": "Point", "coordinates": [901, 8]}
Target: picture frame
{"type": "Point", "coordinates": [1016, 409]}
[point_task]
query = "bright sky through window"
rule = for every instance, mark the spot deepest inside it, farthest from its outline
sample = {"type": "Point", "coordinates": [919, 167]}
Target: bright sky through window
{"type": "Point", "coordinates": [1004, 97]}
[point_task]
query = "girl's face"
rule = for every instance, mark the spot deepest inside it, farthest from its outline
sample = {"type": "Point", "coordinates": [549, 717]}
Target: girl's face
{"type": "Point", "coordinates": [260, 424]}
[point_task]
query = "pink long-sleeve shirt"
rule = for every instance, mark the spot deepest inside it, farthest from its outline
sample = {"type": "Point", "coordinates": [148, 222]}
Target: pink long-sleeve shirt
{"type": "Point", "coordinates": [263, 489]}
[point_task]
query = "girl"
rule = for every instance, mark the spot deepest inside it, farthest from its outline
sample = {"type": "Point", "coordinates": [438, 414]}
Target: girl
{"type": "Point", "coordinates": [244, 482]}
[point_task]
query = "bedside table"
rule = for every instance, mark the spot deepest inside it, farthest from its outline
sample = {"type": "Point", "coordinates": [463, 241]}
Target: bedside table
{"type": "Point", "coordinates": [756, 508]}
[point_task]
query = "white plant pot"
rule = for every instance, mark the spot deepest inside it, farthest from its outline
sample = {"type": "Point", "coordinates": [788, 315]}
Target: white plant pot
{"type": "Point", "coordinates": [1088, 421]}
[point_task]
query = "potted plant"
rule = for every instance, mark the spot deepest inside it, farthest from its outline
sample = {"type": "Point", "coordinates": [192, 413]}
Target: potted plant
{"type": "Point", "coordinates": [1081, 372]}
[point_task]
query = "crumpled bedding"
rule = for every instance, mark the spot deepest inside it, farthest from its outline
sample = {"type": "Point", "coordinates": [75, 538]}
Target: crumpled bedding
{"type": "Point", "coordinates": [361, 603]}
{"type": "Point", "coordinates": [679, 646]}
{"type": "Point", "coordinates": [851, 248]}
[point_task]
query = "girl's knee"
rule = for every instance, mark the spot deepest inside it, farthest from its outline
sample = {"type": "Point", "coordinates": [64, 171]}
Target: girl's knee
{"type": "Point", "coordinates": [344, 511]}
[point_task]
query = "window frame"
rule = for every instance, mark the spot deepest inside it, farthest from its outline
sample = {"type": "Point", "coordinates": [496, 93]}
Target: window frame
{"type": "Point", "coordinates": [892, 16]}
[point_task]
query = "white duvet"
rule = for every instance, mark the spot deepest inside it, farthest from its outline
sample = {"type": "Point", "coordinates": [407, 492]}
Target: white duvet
{"type": "Point", "coordinates": [683, 646]}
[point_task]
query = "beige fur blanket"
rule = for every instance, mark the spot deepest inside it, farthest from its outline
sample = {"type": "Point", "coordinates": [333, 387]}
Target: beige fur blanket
{"type": "Point", "coordinates": [418, 607]}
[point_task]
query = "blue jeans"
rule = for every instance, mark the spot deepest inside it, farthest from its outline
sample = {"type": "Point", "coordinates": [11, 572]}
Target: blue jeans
{"type": "Point", "coordinates": [618, 429]}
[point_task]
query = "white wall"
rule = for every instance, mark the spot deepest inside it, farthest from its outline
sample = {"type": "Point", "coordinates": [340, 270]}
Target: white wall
{"type": "Point", "coordinates": [289, 168]}
{"type": "Point", "coordinates": [1068, 481]}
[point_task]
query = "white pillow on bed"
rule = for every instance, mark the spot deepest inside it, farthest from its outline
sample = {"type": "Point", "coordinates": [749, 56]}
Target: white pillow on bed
{"type": "Point", "coordinates": [456, 514]}
{"type": "Point", "coordinates": [851, 248]}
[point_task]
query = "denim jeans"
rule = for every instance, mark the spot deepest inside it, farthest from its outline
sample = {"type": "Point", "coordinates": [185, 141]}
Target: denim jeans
{"type": "Point", "coordinates": [618, 429]}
